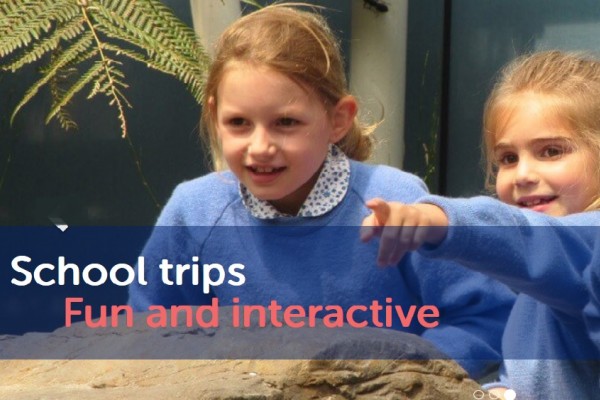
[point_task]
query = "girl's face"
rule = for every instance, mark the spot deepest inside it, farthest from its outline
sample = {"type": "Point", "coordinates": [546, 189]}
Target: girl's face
{"type": "Point", "coordinates": [274, 133]}
{"type": "Point", "coordinates": [540, 166]}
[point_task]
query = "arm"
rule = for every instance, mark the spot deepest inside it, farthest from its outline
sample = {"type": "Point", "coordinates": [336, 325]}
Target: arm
{"type": "Point", "coordinates": [531, 252]}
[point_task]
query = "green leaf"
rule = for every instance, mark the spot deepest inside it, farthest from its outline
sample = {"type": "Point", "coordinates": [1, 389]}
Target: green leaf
{"type": "Point", "coordinates": [68, 32]}
{"type": "Point", "coordinates": [19, 27]}
{"type": "Point", "coordinates": [80, 49]}
{"type": "Point", "coordinates": [103, 32]}
{"type": "Point", "coordinates": [89, 76]}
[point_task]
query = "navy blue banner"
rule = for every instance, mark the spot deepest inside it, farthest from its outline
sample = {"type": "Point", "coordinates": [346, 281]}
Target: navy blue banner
{"type": "Point", "coordinates": [293, 292]}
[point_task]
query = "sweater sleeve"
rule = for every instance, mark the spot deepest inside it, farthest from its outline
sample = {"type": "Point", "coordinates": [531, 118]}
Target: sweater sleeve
{"type": "Point", "coordinates": [591, 311]}
{"type": "Point", "coordinates": [473, 311]}
{"type": "Point", "coordinates": [531, 252]}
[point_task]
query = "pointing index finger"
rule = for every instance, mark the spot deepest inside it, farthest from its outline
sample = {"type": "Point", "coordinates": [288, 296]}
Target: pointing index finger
{"type": "Point", "coordinates": [380, 209]}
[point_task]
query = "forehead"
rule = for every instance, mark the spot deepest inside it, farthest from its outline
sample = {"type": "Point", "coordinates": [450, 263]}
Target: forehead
{"type": "Point", "coordinates": [530, 116]}
{"type": "Point", "coordinates": [255, 73]}
{"type": "Point", "coordinates": [249, 87]}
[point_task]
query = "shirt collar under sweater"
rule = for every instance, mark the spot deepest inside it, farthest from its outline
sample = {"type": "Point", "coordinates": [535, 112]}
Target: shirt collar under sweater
{"type": "Point", "coordinates": [328, 192]}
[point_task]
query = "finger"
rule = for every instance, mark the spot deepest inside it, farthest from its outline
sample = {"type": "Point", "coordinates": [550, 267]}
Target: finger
{"type": "Point", "coordinates": [396, 256]}
{"type": "Point", "coordinates": [380, 209]}
{"type": "Point", "coordinates": [369, 228]}
{"type": "Point", "coordinates": [371, 224]}
{"type": "Point", "coordinates": [406, 241]}
{"type": "Point", "coordinates": [421, 233]}
{"type": "Point", "coordinates": [407, 237]}
{"type": "Point", "coordinates": [398, 249]}
{"type": "Point", "coordinates": [389, 245]}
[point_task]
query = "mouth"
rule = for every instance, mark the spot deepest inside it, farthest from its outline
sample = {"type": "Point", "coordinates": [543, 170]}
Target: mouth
{"type": "Point", "coordinates": [260, 170]}
{"type": "Point", "coordinates": [264, 175]}
{"type": "Point", "coordinates": [537, 201]}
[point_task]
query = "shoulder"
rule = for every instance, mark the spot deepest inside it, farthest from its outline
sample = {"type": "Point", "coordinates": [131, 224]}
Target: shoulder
{"type": "Point", "coordinates": [588, 218]}
{"type": "Point", "coordinates": [200, 201]}
{"type": "Point", "coordinates": [389, 183]}
{"type": "Point", "coordinates": [213, 185]}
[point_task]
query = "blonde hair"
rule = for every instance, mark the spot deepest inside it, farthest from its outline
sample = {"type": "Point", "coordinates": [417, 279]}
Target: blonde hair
{"type": "Point", "coordinates": [569, 85]}
{"type": "Point", "coordinates": [298, 44]}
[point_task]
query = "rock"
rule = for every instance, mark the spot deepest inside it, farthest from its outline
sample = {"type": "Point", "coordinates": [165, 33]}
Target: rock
{"type": "Point", "coordinates": [227, 363]}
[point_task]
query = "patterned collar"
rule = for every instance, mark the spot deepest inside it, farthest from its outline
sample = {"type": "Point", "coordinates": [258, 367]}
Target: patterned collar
{"type": "Point", "coordinates": [328, 192]}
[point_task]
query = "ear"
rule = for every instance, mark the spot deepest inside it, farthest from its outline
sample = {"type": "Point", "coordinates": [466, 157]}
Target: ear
{"type": "Point", "coordinates": [212, 106]}
{"type": "Point", "coordinates": [342, 118]}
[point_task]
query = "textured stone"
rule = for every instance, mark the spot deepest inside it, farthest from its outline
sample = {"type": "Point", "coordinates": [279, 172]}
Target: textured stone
{"type": "Point", "coordinates": [410, 368]}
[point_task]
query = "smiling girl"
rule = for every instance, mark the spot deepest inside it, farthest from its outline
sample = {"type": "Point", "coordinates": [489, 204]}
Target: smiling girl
{"type": "Point", "coordinates": [542, 142]}
{"type": "Point", "coordinates": [278, 114]}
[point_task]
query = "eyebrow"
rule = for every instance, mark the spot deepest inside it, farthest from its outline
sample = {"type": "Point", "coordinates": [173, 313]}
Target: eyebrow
{"type": "Point", "coordinates": [542, 140]}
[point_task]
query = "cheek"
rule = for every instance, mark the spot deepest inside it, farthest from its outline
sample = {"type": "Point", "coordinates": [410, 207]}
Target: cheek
{"type": "Point", "coordinates": [230, 143]}
{"type": "Point", "coordinates": [504, 187]}
{"type": "Point", "coordinates": [593, 174]}
{"type": "Point", "coordinates": [573, 178]}
{"type": "Point", "coordinates": [232, 151]}
{"type": "Point", "coordinates": [582, 191]}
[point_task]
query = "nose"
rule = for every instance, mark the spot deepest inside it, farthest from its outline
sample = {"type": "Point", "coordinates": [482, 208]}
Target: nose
{"type": "Point", "coordinates": [261, 143]}
{"type": "Point", "coordinates": [525, 173]}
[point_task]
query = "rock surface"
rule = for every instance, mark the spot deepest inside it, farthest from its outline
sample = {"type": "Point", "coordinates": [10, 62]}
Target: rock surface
{"type": "Point", "coordinates": [336, 364]}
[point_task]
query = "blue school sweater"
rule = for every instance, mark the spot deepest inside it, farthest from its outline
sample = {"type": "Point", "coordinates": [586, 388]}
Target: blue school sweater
{"type": "Point", "coordinates": [592, 280]}
{"type": "Point", "coordinates": [547, 350]}
{"type": "Point", "coordinates": [321, 261]}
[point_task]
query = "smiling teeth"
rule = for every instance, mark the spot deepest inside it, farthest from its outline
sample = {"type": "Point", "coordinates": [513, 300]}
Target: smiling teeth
{"type": "Point", "coordinates": [534, 202]}
{"type": "Point", "coordinates": [264, 170]}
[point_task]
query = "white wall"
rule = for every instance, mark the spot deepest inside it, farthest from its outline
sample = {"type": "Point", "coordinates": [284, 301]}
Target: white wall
{"type": "Point", "coordinates": [378, 74]}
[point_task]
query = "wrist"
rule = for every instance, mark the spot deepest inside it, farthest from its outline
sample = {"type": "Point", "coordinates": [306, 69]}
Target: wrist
{"type": "Point", "coordinates": [438, 222]}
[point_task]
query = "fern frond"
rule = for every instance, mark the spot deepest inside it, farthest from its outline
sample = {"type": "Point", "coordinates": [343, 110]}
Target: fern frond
{"type": "Point", "coordinates": [163, 59]}
{"type": "Point", "coordinates": [193, 80]}
{"type": "Point", "coordinates": [97, 31]}
{"type": "Point", "coordinates": [91, 74]}
{"type": "Point", "coordinates": [117, 101]}
{"type": "Point", "coordinates": [65, 120]}
{"type": "Point", "coordinates": [57, 91]}
{"type": "Point", "coordinates": [99, 86]}
{"type": "Point", "coordinates": [12, 12]}
{"type": "Point", "coordinates": [32, 21]}
{"type": "Point", "coordinates": [112, 91]}
{"type": "Point", "coordinates": [170, 45]}
{"type": "Point", "coordinates": [119, 95]}
{"type": "Point", "coordinates": [67, 32]}
{"type": "Point", "coordinates": [180, 36]}
{"type": "Point", "coordinates": [252, 3]}
{"type": "Point", "coordinates": [78, 50]}
{"type": "Point", "coordinates": [157, 20]}
{"type": "Point", "coordinates": [121, 51]}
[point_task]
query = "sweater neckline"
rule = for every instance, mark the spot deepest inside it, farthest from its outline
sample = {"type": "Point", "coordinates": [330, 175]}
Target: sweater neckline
{"type": "Point", "coordinates": [329, 191]}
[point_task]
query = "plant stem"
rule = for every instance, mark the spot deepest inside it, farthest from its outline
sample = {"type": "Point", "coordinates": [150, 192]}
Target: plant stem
{"type": "Point", "coordinates": [106, 64]}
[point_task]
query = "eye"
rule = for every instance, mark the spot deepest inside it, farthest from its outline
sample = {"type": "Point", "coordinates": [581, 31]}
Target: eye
{"type": "Point", "coordinates": [287, 122]}
{"type": "Point", "coordinates": [237, 121]}
{"type": "Point", "coordinates": [507, 159]}
{"type": "Point", "coordinates": [553, 152]}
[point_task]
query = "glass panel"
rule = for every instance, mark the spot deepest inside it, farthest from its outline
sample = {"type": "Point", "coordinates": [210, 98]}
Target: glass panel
{"type": "Point", "coordinates": [485, 35]}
